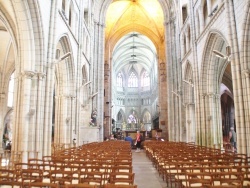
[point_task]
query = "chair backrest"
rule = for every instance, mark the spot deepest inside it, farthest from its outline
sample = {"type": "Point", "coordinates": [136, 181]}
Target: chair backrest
{"type": "Point", "coordinates": [80, 185]}
{"type": "Point", "coordinates": [31, 175]}
{"type": "Point", "coordinates": [122, 178]}
{"type": "Point", "coordinates": [119, 186]}
{"type": "Point", "coordinates": [41, 184]}
{"type": "Point", "coordinates": [60, 176]}
{"type": "Point", "coordinates": [94, 178]}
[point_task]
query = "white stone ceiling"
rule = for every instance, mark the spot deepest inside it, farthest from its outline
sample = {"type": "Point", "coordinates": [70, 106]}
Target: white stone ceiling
{"type": "Point", "coordinates": [134, 50]}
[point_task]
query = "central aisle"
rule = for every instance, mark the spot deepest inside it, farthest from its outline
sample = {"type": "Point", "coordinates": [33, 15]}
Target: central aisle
{"type": "Point", "coordinates": [146, 176]}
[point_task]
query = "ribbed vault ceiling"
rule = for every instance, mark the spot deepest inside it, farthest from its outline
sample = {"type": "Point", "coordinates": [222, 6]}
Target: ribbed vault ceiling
{"type": "Point", "coordinates": [134, 50]}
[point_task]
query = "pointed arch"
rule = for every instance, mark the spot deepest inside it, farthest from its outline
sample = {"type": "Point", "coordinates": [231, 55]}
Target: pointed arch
{"type": "Point", "coordinates": [188, 83]}
{"type": "Point", "coordinates": [146, 116]}
{"type": "Point", "coordinates": [133, 78]}
{"type": "Point", "coordinates": [65, 69]}
{"type": "Point", "coordinates": [121, 117]}
{"type": "Point", "coordinates": [213, 68]}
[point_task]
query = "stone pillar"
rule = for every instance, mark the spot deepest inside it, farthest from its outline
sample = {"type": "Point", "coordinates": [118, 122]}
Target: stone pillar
{"type": "Point", "coordinates": [246, 80]}
{"type": "Point", "coordinates": [201, 16]}
{"type": "Point", "coordinates": [24, 114]}
{"type": "Point", "coordinates": [197, 28]}
{"type": "Point", "coordinates": [187, 41]}
{"type": "Point", "coordinates": [98, 75]}
{"type": "Point", "coordinates": [38, 121]}
{"type": "Point", "coordinates": [49, 85]}
{"type": "Point", "coordinates": [63, 129]}
{"type": "Point", "coordinates": [209, 6]}
{"type": "Point", "coordinates": [236, 78]}
{"type": "Point", "coordinates": [201, 128]}
{"type": "Point", "coordinates": [3, 112]}
{"type": "Point", "coordinates": [183, 45]}
{"type": "Point", "coordinates": [107, 99]}
{"type": "Point", "coordinates": [67, 9]}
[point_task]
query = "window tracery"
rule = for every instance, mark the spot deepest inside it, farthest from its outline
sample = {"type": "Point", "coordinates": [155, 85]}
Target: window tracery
{"type": "Point", "coordinates": [119, 81]}
{"type": "Point", "coordinates": [145, 79]}
{"type": "Point", "coordinates": [133, 80]}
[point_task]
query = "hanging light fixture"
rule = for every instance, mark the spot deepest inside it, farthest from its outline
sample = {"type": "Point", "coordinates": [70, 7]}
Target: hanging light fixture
{"type": "Point", "coordinates": [133, 47]}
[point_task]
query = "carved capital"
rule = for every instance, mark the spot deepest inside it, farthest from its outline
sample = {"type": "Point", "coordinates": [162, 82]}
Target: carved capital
{"type": "Point", "coordinates": [40, 75]}
{"type": "Point", "coordinates": [246, 73]}
{"type": "Point", "coordinates": [28, 74]}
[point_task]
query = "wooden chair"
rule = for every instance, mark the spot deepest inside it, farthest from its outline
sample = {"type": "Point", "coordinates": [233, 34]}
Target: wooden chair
{"type": "Point", "coordinates": [227, 178]}
{"type": "Point", "coordinates": [122, 169]}
{"type": "Point", "coordinates": [40, 184]}
{"type": "Point", "coordinates": [197, 179]}
{"type": "Point", "coordinates": [7, 177]}
{"type": "Point", "coordinates": [124, 178]}
{"type": "Point", "coordinates": [223, 186]}
{"type": "Point", "coordinates": [61, 177]}
{"type": "Point", "coordinates": [31, 175]}
{"type": "Point", "coordinates": [119, 186]}
{"type": "Point", "coordinates": [80, 185]}
{"type": "Point", "coordinates": [93, 178]}
{"type": "Point", "coordinates": [18, 170]}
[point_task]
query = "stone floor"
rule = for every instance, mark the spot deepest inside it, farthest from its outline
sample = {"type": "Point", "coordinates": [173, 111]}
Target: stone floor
{"type": "Point", "coordinates": [146, 176]}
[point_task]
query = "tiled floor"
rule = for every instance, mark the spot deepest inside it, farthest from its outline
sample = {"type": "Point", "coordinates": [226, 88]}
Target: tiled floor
{"type": "Point", "coordinates": [146, 176]}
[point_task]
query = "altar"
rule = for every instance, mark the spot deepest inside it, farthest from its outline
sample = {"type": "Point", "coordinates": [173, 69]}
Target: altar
{"type": "Point", "coordinates": [132, 134]}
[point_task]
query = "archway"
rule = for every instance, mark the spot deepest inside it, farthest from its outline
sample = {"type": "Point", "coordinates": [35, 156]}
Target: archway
{"type": "Point", "coordinates": [189, 104]}
{"type": "Point", "coordinates": [63, 101]}
{"type": "Point", "coordinates": [124, 31]}
{"type": "Point", "coordinates": [215, 71]}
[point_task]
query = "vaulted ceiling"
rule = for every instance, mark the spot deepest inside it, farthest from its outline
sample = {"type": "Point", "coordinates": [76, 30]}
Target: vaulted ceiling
{"type": "Point", "coordinates": [137, 25]}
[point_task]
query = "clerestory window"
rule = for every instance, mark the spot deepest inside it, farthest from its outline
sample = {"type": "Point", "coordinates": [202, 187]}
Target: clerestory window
{"type": "Point", "coordinates": [132, 80]}
{"type": "Point", "coordinates": [145, 79]}
{"type": "Point", "coordinates": [119, 80]}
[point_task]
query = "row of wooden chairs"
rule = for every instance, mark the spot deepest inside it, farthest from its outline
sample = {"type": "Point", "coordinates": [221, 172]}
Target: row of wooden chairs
{"type": "Point", "coordinates": [71, 166]}
{"type": "Point", "coordinates": [178, 163]}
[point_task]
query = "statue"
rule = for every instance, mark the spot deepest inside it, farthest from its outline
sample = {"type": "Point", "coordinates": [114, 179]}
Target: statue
{"type": "Point", "coordinates": [94, 116]}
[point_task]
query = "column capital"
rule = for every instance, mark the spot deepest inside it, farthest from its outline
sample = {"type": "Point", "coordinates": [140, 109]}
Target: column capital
{"type": "Point", "coordinates": [246, 72]}
{"type": "Point", "coordinates": [40, 75]}
{"type": "Point", "coordinates": [28, 74]}
{"type": "Point", "coordinates": [68, 96]}
{"type": "Point", "coordinates": [170, 20]}
{"type": "Point", "coordinates": [211, 94]}
{"type": "Point", "coordinates": [99, 23]}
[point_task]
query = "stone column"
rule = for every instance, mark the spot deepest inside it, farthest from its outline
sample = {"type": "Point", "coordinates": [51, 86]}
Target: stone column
{"type": "Point", "coordinates": [236, 78]}
{"type": "Point", "coordinates": [197, 28]}
{"type": "Point", "coordinates": [49, 85]}
{"type": "Point", "coordinates": [24, 113]}
{"type": "Point", "coordinates": [246, 85]}
{"type": "Point", "coordinates": [67, 7]}
{"type": "Point", "coordinates": [63, 126]}
{"type": "Point", "coordinates": [38, 108]}
{"type": "Point", "coordinates": [201, 127]}
{"type": "Point", "coordinates": [3, 112]}
{"type": "Point", "coordinates": [107, 101]}
{"type": "Point", "coordinates": [201, 16]}
{"type": "Point", "coordinates": [209, 6]}
{"type": "Point", "coordinates": [169, 26]}
{"type": "Point", "coordinates": [187, 41]}
{"type": "Point", "coordinates": [214, 127]}
{"type": "Point", "coordinates": [183, 51]}
{"type": "Point", "coordinates": [98, 74]}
